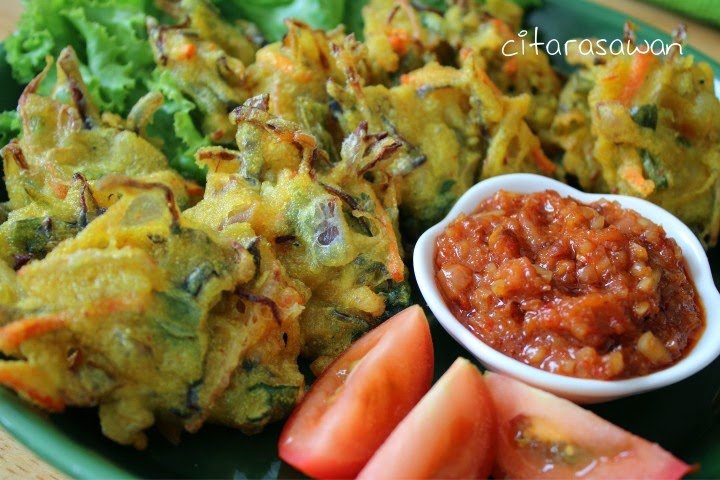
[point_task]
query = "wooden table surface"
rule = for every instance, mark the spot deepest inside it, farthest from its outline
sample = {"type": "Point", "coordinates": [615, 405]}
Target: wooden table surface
{"type": "Point", "coordinates": [17, 462]}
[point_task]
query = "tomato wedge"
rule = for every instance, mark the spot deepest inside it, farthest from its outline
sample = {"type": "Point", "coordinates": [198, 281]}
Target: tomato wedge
{"type": "Point", "coordinates": [544, 436]}
{"type": "Point", "coordinates": [360, 398]}
{"type": "Point", "coordinates": [451, 432]}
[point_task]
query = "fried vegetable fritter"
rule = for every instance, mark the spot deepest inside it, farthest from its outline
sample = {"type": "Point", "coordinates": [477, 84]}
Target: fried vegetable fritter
{"type": "Point", "coordinates": [154, 318]}
{"type": "Point", "coordinates": [452, 125]}
{"type": "Point", "coordinates": [646, 126]}
{"type": "Point", "coordinates": [239, 39]}
{"type": "Point", "coordinates": [293, 74]}
{"type": "Point", "coordinates": [266, 383]}
{"type": "Point", "coordinates": [480, 29]}
{"type": "Point", "coordinates": [207, 59]}
{"type": "Point", "coordinates": [330, 231]}
{"type": "Point", "coordinates": [108, 318]}
{"type": "Point", "coordinates": [65, 148]}
{"type": "Point", "coordinates": [401, 36]}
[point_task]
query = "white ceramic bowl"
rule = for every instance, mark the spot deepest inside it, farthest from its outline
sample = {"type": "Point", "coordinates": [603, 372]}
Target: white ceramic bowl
{"type": "Point", "coordinates": [576, 389]}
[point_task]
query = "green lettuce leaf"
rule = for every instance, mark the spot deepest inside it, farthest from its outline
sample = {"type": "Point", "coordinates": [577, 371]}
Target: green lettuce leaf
{"type": "Point", "coordinates": [38, 35]}
{"type": "Point", "coordinates": [116, 54]}
{"type": "Point", "coordinates": [108, 36]}
{"type": "Point", "coordinates": [9, 129]}
{"type": "Point", "coordinates": [174, 128]}
{"type": "Point", "coordinates": [353, 16]}
{"type": "Point", "coordinates": [9, 126]}
{"type": "Point", "coordinates": [270, 15]}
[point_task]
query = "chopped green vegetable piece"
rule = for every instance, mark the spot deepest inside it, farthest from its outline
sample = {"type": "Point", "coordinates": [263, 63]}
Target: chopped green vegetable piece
{"type": "Point", "coordinates": [584, 83]}
{"type": "Point", "coordinates": [178, 314]}
{"type": "Point", "coordinates": [36, 237]}
{"type": "Point", "coordinates": [645, 115]}
{"type": "Point", "coordinates": [198, 278]}
{"type": "Point", "coordinates": [654, 170]}
{"type": "Point", "coordinates": [684, 141]}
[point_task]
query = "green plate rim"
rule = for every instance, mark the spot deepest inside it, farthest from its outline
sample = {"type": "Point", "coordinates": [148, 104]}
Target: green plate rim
{"type": "Point", "coordinates": [32, 428]}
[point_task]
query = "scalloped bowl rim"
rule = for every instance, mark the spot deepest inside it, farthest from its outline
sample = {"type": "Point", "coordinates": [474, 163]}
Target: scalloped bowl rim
{"type": "Point", "coordinates": [580, 390]}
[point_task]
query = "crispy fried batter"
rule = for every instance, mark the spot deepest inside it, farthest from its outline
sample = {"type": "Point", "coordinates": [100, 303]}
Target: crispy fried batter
{"type": "Point", "coordinates": [453, 126]}
{"type": "Point", "coordinates": [207, 59]}
{"type": "Point", "coordinates": [292, 74]}
{"type": "Point", "coordinates": [117, 316]}
{"type": "Point", "coordinates": [490, 33]}
{"type": "Point", "coordinates": [401, 37]}
{"type": "Point", "coordinates": [66, 147]}
{"type": "Point", "coordinates": [646, 126]}
{"type": "Point", "coordinates": [329, 230]}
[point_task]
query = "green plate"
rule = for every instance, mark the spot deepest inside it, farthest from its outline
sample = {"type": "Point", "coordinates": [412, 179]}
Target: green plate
{"type": "Point", "coordinates": [683, 418]}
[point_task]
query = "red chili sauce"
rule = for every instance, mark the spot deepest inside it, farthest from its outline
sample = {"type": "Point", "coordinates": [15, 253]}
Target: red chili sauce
{"type": "Point", "coordinates": [591, 291]}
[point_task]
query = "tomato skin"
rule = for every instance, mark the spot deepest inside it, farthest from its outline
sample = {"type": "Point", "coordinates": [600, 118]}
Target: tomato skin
{"type": "Point", "coordinates": [360, 398]}
{"type": "Point", "coordinates": [543, 436]}
{"type": "Point", "coordinates": [451, 432]}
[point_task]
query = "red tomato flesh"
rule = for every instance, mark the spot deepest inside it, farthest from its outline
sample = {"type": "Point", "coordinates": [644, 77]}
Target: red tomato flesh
{"type": "Point", "coordinates": [360, 398]}
{"type": "Point", "coordinates": [544, 436]}
{"type": "Point", "coordinates": [451, 432]}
